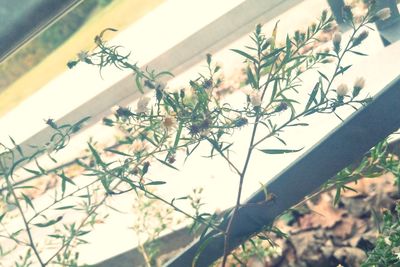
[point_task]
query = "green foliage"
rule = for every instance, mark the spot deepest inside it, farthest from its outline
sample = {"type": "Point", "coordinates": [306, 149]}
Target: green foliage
{"type": "Point", "coordinates": [387, 247]}
{"type": "Point", "coordinates": [172, 124]}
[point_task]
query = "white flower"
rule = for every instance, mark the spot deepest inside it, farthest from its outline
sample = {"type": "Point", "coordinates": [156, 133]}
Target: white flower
{"type": "Point", "coordinates": [342, 90]}
{"type": "Point", "coordinates": [384, 13]}
{"type": "Point", "coordinates": [142, 104]}
{"type": "Point", "coordinates": [255, 99]}
{"type": "Point", "coordinates": [139, 146]}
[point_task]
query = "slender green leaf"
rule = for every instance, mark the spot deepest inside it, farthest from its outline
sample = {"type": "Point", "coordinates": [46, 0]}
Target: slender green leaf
{"type": "Point", "coordinates": [37, 173]}
{"type": "Point", "coordinates": [167, 164]}
{"type": "Point", "coordinates": [251, 78]}
{"type": "Point", "coordinates": [358, 53]}
{"type": "Point", "coordinates": [96, 156]}
{"type": "Point", "coordinates": [279, 151]}
{"type": "Point", "coordinates": [244, 54]}
{"type": "Point", "coordinates": [49, 223]}
{"type": "Point", "coordinates": [312, 96]}
{"type": "Point", "coordinates": [28, 201]}
{"type": "Point", "coordinates": [117, 152]}
{"type": "Point", "coordinates": [323, 76]}
{"type": "Point", "coordinates": [156, 183]}
{"type": "Point", "coordinates": [139, 83]}
{"type": "Point", "coordinates": [2, 216]}
{"type": "Point", "coordinates": [343, 69]}
{"type": "Point", "coordinates": [17, 146]}
{"type": "Point", "coordinates": [65, 207]}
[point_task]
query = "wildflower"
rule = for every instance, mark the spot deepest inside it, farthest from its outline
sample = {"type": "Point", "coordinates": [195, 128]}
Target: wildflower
{"type": "Point", "coordinates": [169, 122]}
{"type": "Point", "coordinates": [139, 146]}
{"type": "Point", "coordinates": [358, 85]}
{"type": "Point", "coordinates": [342, 90]}
{"type": "Point", "coordinates": [337, 39]}
{"type": "Point", "coordinates": [142, 104]}
{"type": "Point", "coordinates": [255, 99]}
{"type": "Point", "coordinates": [384, 13]}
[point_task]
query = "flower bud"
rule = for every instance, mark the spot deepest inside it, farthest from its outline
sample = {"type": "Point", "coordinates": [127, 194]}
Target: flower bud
{"type": "Point", "coordinates": [342, 90]}
{"type": "Point", "coordinates": [358, 85]}
{"type": "Point", "coordinates": [337, 39]}
{"type": "Point", "coordinates": [361, 37]}
{"type": "Point", "coordinates": [384, 13]}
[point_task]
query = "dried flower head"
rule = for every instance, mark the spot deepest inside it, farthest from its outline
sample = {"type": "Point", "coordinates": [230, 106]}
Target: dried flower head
{"type": "Point", "coordinates": [169, 122]}
{"type": "Point", "coordinates": [139, 146]}
{"type": "Point", "coordinates": [384, 13]}
{"type": "Point", "coordinates": [342, 90]}
{"type": "Point", "coordinates": [255, 99]}
{"type": "Point", "coordinates": [142, 104]}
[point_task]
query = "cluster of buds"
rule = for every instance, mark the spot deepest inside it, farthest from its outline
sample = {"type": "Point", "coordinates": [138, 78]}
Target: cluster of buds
{"type": "Point", "coordinates": [342, 90]}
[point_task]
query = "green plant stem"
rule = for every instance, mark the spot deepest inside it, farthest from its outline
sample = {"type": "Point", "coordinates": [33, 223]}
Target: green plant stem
{"type": "Point", "coordinates": [26, 224]}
